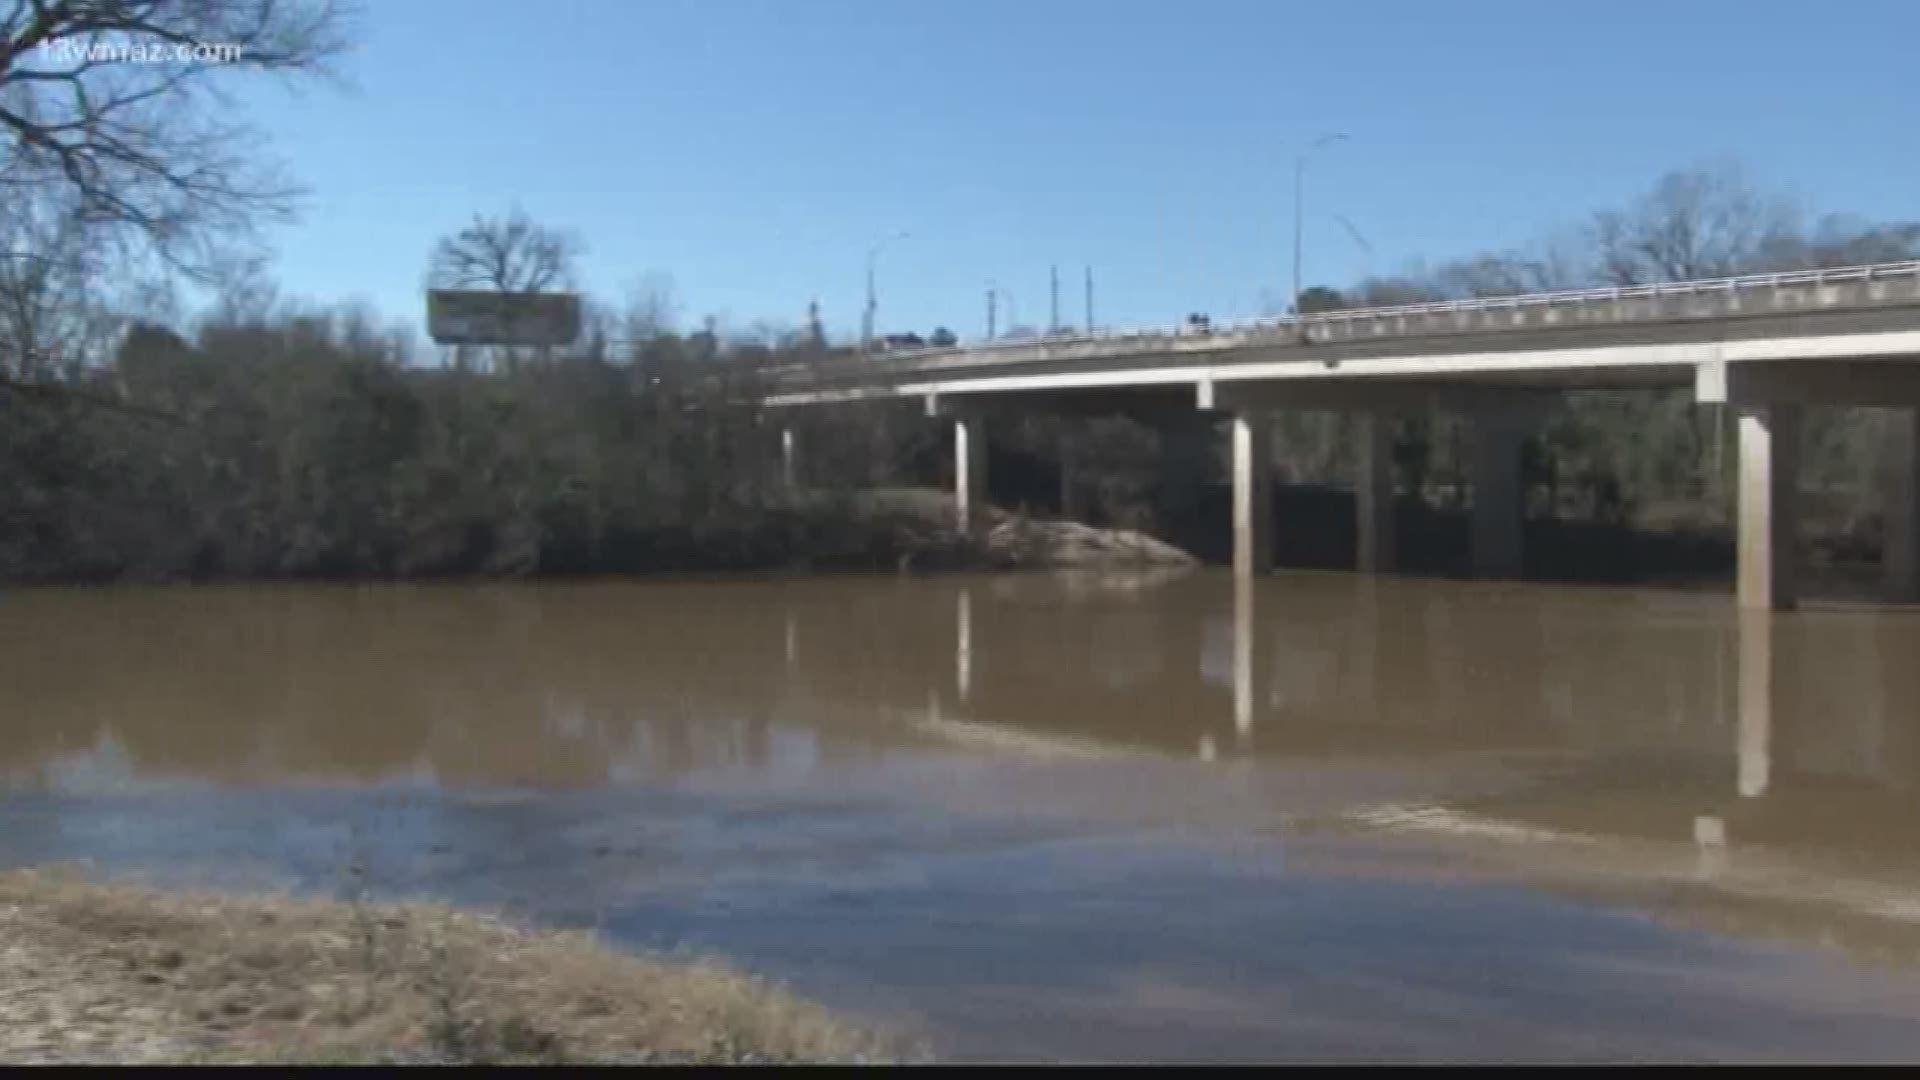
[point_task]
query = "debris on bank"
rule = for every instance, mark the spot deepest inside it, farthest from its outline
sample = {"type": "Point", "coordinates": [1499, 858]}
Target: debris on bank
{"type": "Point", "coordinates": [927, 537]}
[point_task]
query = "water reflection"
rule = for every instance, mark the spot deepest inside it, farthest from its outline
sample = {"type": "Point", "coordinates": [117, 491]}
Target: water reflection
{"type": "Point", "coordinates": [1615, 710]}
{"type": "Point", "coordinates": [1757, 674]}
{"type": "Point", "coordinates": [963, 645]}
{"type": "Point", "coordinates": [1012, 800]}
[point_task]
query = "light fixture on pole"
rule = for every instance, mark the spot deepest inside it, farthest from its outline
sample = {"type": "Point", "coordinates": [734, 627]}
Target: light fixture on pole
{"type": "Point", "coordinates": [1299, 184]}
{"type": "Point", "coordinates": [873, 304]}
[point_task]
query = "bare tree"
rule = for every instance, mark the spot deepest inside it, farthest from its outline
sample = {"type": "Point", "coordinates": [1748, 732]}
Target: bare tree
{"type": "Point", "coordinates": [1389, 291]}
{"type": "Point", "coordinates": [650, 308]}
{"type": "Point", "coordinates": [513, 253]}
{"type": "Point", "coordinates": [1701, 223]}
{"type": "Point", "coordinates": [114, 110]}
{"type": "Point", "coordinates": [50, 314]}
{"type": "Point", "coordinates": [1842, 241]}
{"type": "Point", "coordinates": [1508, 274]}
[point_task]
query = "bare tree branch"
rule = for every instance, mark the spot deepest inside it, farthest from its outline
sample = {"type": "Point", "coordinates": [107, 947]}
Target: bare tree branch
{"type": "Point", "coordinates": [506, 254]}
{"type": "Point", "coordinates": [1702, 223]}
{"type": "Point", "coordinates": [114, 107]}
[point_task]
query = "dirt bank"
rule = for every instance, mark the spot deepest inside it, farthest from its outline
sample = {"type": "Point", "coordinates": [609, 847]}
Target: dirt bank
{"type": "Point", "coordinates": [116, 974]}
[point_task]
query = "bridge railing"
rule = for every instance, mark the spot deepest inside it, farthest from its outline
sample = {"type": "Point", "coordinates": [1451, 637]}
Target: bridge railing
{"type": "Point", "coordinates": [1274, 323]}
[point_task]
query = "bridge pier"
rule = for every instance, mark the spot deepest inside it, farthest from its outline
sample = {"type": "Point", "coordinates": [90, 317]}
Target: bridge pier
{"type": "Point", "coordinates": [1768, 507]}
{"type": "Point", "coordinates": [1498, 508]}
{"type": "Point", "coordinates": [1900, 557]}
{"type": "Point", "coordinates": [789, 458]}
{"type": "Point", "coordinates": [1373, 493]}
{"type": "Point", "coordinates": [969, 470]}
{"type": "Point", "coordinates": [1252, 493]}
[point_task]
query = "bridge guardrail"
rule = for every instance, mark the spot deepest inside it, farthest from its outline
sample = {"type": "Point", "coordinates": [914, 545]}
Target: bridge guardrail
{"type": "Point", "coordinates": [878, 363]}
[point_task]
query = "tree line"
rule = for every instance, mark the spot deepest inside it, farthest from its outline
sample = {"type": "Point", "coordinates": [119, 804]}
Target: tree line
{"type": "Point", "coordinates": [267, 439]}
{"type": "Point", "coordinates": [1653, 457]}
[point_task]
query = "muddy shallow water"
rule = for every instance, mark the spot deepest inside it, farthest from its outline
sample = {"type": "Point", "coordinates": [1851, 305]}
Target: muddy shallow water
{"type": "Point", "coordinates": [1149, 817]}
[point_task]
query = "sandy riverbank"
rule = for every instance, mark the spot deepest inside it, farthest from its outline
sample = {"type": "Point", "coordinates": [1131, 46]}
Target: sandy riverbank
{"type": "Point", "coordinates": [120, 974]}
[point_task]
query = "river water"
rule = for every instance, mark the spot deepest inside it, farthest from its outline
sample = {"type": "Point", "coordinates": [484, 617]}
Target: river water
{"type": "Point", "coordinates": [1070, 817]}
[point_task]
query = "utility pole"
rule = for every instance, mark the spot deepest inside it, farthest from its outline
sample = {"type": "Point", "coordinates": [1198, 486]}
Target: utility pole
{"type": "Point", "coordinates": [1299, 183]}
{"type": "Point", "coordinates": [866, 316]}
{"type": "Point", "coordinates": [866, 319]}
{"type": "Point", "coordinates": [991, 293]}
{"type": "Point", "coordinates": [1089, 300]}
{"type": "Point", "coordinates": [1054, 283]}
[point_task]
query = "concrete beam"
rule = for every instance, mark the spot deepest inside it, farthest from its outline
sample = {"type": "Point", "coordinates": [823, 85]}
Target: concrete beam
{"type": "Point", "coordinates": [969, 469]}
{"type": "Point", "coordinates": [1769, 507]}
{"type": "Point", "coordinates": [1865, 383]}
{"type": "Point", "coordinates": [1669, 363]}
{"type": "Point", "coordinates": [1339, 339]}
{"type": "Point", "coordinates": [1498, 510]}
{"type": "Point", "coordinates": [1404, 396]}
{"type": "Point", "coordinates": [1373, 494]}
{"type": "Point", "coordinates": [1252, 494]}
{"type": "Point", "coordinates": [1900, 477]}
{"type": "Point", "coordinates": [1147, 404]}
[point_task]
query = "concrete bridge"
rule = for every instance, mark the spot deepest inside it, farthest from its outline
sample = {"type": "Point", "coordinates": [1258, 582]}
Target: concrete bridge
{"type": "Point", "coordinates": [1765, 345]}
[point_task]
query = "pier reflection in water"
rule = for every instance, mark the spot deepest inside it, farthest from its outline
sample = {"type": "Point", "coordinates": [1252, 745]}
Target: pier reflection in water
{"type": "Point", "coordinates": [856, 781]}
{"type": "Point", "coordinates": [1692, 705]}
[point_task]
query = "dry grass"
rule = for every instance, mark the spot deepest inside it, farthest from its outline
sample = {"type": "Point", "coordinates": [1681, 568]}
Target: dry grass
{"type": "Point", "coordinates": [110, 973]}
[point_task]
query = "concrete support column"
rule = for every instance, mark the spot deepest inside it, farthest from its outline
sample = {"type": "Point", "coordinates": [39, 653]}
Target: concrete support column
{"type": "Point", "coordinates": [1498, 510]}
{"type": "Point", "coordinates": [969, 469]}
{"type": "Point", "coordinates": [1901, 557]}
{"type": "Point", "coordinates": [1373, 493]}
{"type": "Point", "coordinates": [789, 458]}
{"type": "Point", "coordinates": [1769, 506]}
{"type": "Point", "coordinates": [1252, 494]}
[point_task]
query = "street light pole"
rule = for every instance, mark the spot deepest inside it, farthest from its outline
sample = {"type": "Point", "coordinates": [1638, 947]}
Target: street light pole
{"type": "Point", "coordinates": [995, 294]}
{"type": "Point", "coordinates": [1299, 185]}
{"type": "Point", "coordinates": [873, 304]}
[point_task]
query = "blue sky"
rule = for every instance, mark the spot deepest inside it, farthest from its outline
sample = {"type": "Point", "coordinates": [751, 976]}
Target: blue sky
{"type": "Point", "coordinates": [751, 150]}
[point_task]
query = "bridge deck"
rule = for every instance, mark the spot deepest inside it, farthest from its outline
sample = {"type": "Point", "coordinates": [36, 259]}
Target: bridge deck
{"type": "Point", "coordinates": [1654, 335]}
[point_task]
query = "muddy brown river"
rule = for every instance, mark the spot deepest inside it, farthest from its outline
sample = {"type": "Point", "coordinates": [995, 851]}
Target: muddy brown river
{"type": "Point", "coordinates": [1065, 817]}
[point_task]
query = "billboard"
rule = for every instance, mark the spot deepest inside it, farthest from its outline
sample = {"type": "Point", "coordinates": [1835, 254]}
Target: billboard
{"type": "Point", "coordinates": [478, 317]}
